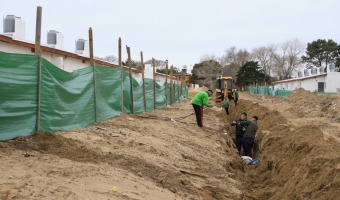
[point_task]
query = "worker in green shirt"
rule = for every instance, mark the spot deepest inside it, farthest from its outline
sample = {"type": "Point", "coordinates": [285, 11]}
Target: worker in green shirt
{"type": "Point", "coordinates": [226, 105]}
{"type": "Point", "coordinates": [235, 96]}
{"type": "Point", "coordinates": [198, 102]}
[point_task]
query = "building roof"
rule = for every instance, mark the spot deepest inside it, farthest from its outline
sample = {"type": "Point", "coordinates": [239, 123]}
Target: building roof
{"type": "Point", "coordinates": [66, 54]}
{"type": "Point", "coordinates": [300, 78]}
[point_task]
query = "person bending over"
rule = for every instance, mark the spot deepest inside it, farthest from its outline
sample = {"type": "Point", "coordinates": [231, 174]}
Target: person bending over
{"type": "Point", "coordinates": [198, 102]}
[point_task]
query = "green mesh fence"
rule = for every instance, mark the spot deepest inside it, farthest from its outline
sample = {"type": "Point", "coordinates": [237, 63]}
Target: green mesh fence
{"type": "Point", "coordinates": [68, 100]}
{"type": "Point", "coordinates": [138, 99]}
{"type": "Point", "coordinates": [268, 90]}
{"type": "Point", "coordinates": [282, 93]}
{"type": "Point", "coordinates": [149, 94]}
{"type": "Point", "coordinates": [160, 96]}
{"type": "Point", "coordinates": [18, 95]}
{"type": "Point", "coordinates": [168, 94]}
{"type": "Point", "coordinates": [108, 92]}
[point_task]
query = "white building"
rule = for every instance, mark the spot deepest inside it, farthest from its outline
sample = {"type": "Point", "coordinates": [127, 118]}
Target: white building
{"type": "Point", "coordinates": [13, 41]}
{"type": "Point", "coordinates": [318, 79]}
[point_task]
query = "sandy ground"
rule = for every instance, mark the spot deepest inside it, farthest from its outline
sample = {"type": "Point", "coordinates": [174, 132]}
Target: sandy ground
{"type": "Point", "coordinates": [159, 156]}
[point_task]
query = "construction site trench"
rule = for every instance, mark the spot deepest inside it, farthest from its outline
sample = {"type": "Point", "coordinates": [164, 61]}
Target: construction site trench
{"type": "Point", "coordinates": [165, 155]}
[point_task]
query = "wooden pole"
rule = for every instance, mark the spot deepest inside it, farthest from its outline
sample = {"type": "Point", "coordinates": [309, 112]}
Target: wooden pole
{"type": "Point", "coordinates": [166, 82]}
{"type": "Point", "coordinates": [120, 51]}
{"type": "Point", "coordinates": [154, 82]}
{"type": "Point", "coordinates": [178, 86]}
{"type": "Point", "coordinates": [143, 68]}
{"type": "Point", "coordinates": [38, 52]}
{"type": "Point", "coordinates": [182, 81]}
{"type": "Point", "coordinates": [122, 71]}
{"type": "Point", "coordinates": [171, 85]}
{"type": "Point", "coordinates": [94, 73]}
{"type": "Point", "coordinates": [130, 76]}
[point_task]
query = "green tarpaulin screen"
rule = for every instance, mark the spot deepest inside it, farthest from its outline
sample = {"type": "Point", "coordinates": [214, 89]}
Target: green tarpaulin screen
{"type": "Point", "coordinates": [69, 100]}
{"type": "Point", "coordinates": [18, 95]}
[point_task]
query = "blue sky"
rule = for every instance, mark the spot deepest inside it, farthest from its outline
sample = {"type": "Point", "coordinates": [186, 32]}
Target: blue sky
{"type": "Point", "coordinates": [180, 30]}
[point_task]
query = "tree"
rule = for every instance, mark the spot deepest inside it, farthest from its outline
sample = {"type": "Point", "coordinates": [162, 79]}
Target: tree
{"type": "Point", "coordinates": [264, 56]}
{"type": "Point", "coordinates": [163, 70]}
{"type": "Point", "coordinates": [232, 60]}
{"type": "Point", "coordinates": [321, 52]}
{"type": "Point", "coordinates": [234, 56]}
{"type": "Point", "coordinates": [134, 64]}
{"type": "Point", "coordinates": [230, 70]}
{"type": "Point", "coordinates": [250, 73]}
{"type": "Point", "coordinates": [289, 59]}
{"type": "Point", "coordinates": [205, 72]}
{"type": "Point", "coordinates": [109, 58]}
{"type": "Point", "coordinates": [337, 62]}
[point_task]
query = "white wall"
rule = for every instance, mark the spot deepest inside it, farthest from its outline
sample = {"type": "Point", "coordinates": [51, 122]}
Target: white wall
{"type": "Point", "coordinates": [70, 64]}
{"type": "Point", "coordinates": [311, 84]}
{"type": "Point", "coordinates": [10, 48]}
{"type": "Point", "coordinates": [332, 81]}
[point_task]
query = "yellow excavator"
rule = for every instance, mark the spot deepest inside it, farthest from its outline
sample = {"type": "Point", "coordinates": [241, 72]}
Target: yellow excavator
{"type": "Point", "coordinates": [224, 87]}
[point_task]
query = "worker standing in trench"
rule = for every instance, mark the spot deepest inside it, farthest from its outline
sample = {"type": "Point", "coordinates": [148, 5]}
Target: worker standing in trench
{"type": "Point", "coordinates": [249, 135]}
{"type": "Point", "coordinates": [198, 102]}
{"type": "Point", "coordinates": [239, 132]}
{"type": "Point", "coordinates": [235, 96]}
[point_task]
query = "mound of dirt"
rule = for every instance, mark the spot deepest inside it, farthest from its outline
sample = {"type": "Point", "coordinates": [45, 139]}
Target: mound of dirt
{"type": "Point", "coordinates": [294, 162]}
{"type": "Point", "coordinates": [308, 104]}
{"type": "Point", "coordinates": [165, 155]}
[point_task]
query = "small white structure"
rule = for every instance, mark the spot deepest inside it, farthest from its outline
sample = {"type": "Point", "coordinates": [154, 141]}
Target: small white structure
{"type": "Point", "coordinates": [318, 79]}
{"type": "Point", "coordinates": [14, 27]}
{"type": "Point", "coordinates": [55, 39]}
{"type": "Point", "coordinates": [82, 47]}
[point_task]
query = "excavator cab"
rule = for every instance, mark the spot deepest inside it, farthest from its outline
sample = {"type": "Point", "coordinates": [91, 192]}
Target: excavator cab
{"type": "Point", "coordinates": [224, 87]}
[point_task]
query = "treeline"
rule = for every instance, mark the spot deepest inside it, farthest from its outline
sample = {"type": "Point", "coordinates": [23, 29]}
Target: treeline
{"type": "Point", "coordinates": [267, 63]}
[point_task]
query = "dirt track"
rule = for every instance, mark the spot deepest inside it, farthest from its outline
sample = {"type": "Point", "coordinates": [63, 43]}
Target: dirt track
{"type": "Point", "coordinates": [149, 156]}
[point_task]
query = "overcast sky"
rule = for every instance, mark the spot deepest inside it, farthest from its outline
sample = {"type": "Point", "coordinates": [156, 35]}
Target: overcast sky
{"type": "Point", "coordinates": [180, 30]}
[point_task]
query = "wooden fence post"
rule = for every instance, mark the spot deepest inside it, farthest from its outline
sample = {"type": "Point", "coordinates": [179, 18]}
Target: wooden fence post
{"type": "Point", "coordinates": [120, 51]}
{"type": "Point", "coordinates": [154, 83]}
{"type": "Point", "coordinates": [143, 68]}
{"type": "Point", "coordinates": [92, 63]}
{"type": "Point", "coordinates": [171, 86]}
{"type": "Point", "coordinates": [38, 53]}
{"type": "Point", "coordinates": [166, 82]}
{"type": "Point", "coordinates": [131, 81]}
{"type": "Point", "coordinates": [182, 80]}
{"type": "Point", "coordinates": [178, 86]}
{"type": "Point", "coordinates": [122, 72]}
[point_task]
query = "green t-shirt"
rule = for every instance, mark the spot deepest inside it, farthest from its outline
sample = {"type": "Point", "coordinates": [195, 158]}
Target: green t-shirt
{"type": "Point", "coordinates": [201, 99]}
{"type": "Point", "coordinates": [226, 103]}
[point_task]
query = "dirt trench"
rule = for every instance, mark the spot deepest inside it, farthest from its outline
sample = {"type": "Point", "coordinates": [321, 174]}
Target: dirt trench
{"type": "Point", "coordinates": [149, 156]}
{"type": "Point", "coordinates": [298, 161]}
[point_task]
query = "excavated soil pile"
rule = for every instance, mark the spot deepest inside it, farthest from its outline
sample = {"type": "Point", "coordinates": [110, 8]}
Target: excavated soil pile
{"type": "Point", "coordinates": [307, 104]}
{"type": "Point", "coordinates": [297, 162]}
{"type": "Point", "coordinates": [165, 155]}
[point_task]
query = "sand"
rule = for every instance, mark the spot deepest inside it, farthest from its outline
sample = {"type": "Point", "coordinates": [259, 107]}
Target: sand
{"type": "Point", "coordinates": [155, 156]}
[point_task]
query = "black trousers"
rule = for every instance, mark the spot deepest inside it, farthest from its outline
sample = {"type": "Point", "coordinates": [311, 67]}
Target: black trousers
{"type": "Point", "coordinates": [239, 144]}
{"type": "Point", "coordinates": [199, 114]}
{"type": "Point", "coordinates": [227, 110]}
{"type": "Point", "coordinates": [235, 100]}
{"type": "Point", "coordinates": [248, 144]}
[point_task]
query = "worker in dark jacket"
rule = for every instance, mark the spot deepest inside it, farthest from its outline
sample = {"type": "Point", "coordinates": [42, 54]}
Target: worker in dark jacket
{"type": "Point", "coordinates": [239, 132]}
{"type": "Point", "coordinates": [198, 102]}
{"type": "Point", "coordinates": [249, 135]}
